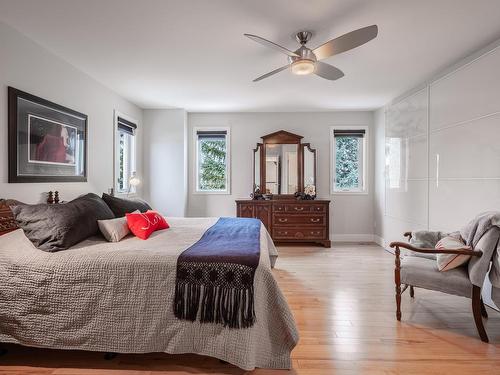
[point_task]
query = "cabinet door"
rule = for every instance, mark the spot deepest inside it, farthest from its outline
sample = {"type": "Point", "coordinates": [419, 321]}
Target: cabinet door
{"type": "Point", "coordinates": [263, 212]}
{"type": "Point", "coordinates": [245, 210]}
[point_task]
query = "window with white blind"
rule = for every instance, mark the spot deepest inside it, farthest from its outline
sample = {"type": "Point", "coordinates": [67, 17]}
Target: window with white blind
{"type": "Point", "coordinates": [124, 154]}
{"type": "Point", "coordinates": [211, 146]}
{"type": "Point", "coordinates": [349, 154]}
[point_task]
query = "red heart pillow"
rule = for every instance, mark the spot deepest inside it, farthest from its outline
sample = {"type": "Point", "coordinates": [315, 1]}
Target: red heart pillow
{"type": "Point", "coordinates": [143, 224]}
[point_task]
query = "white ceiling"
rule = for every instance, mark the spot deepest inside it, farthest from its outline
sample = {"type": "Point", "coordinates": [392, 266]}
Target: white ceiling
{"type": "Point", "coordinates": [192, 53]}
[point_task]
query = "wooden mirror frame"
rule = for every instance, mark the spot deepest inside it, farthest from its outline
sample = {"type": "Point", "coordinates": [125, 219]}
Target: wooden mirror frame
{"type": "Point", "coordinates": [255, 150]}
{"type": "Point", "coordinates": [313, 151]}
{"type": "Point", "coordinates": [283, 137]}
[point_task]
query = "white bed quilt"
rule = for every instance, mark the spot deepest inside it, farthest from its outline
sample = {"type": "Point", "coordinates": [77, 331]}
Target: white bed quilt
{"type": "Point", "coordinates": [117, 297]}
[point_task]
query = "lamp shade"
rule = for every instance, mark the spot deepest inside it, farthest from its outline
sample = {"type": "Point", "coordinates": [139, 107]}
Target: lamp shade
{"type": "Point", "coordinates": [134, 180]}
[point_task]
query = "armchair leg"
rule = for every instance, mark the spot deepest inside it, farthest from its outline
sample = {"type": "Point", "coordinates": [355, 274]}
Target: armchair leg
{"type": "Point", "coordinates": [412, 292]}
{"type": "Point", "coordinates": [397, 279]}
{"type": "Point", "coordinates": [484, 313]}
{"type": "Point", "coordinates": [476, 310]}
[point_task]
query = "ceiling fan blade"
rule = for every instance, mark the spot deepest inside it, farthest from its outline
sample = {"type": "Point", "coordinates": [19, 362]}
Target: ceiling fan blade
{"type": "Point", "coordinates": [346, 42]}
{"type": "Point", "coordinates": [327, 71]}
{"type": "Point", "coordinates": [271, 73]}
{"type": "Point", "coordinates": [270, 44]}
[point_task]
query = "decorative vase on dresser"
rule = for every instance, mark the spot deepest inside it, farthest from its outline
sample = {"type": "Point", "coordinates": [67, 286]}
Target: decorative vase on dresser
{"type": "Point", "coordinates": [283, 168]}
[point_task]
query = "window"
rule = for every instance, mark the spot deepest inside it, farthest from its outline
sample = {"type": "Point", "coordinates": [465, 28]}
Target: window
{"type": "Point", "coordinates": [348, 150]}
{"type": "Point", "coordinates": [124, 155]}
{"type": "Point", "coordinates": [212, 160]}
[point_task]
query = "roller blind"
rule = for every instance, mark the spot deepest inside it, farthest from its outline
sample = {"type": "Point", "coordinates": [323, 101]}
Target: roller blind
{"type": "Point", "coordinates": [216, 134]}
{"type": "Point", "coordinates": [126, 126]}
{"type": "Point", "coordinates": [349, 133]}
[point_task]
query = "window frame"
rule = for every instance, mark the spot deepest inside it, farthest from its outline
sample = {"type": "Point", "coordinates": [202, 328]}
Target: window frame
{"type": "Point", "coordinates": [116, 159]}
{"type": "Point", "coordinates": [364, 166]}
{"type": "Point", "coordinates": [196, 190]}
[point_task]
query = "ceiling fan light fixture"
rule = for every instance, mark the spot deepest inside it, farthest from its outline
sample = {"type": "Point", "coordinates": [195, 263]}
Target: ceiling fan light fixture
{"type": "Point", "coordinates": [303, 67]}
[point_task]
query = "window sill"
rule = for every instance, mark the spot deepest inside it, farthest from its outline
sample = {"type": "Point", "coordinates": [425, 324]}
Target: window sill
{"type": "Point", "coordinates": [211, 192]}
{"type": "Point", "coordinates": [349, 193]}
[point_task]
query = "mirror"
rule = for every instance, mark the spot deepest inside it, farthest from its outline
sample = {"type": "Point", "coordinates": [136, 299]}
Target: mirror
{"type": "Point", "coordinates": [256, 167]}
{"type": "Point", "coordinates": [283, 166]}
{"type": "Point", "coordinates": [282, 169]}
{"type": "Point", "coordinates": [309, 166]}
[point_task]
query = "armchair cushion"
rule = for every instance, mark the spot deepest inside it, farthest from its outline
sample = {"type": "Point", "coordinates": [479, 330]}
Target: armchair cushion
{"type": "Point", "coordinates": [424, 273]}
{"type": "Point", "coordinates": [424, 239]}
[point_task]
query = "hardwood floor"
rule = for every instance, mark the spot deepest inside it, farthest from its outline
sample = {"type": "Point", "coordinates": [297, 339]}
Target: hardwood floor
{"type": "Point", "coordinates": [343, 302]}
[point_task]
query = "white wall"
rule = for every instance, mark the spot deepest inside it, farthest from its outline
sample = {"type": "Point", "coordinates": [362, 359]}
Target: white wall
{"type": "Point", "coordinates": [27, 66]}
{"type": "Point", "coordinates": [165, 160]}
{"type": "Point", "coordinates": [352, 215]}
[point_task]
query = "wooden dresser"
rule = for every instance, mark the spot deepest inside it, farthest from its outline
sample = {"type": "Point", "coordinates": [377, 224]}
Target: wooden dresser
{"type": "Point", "coordinates": [291, 221]}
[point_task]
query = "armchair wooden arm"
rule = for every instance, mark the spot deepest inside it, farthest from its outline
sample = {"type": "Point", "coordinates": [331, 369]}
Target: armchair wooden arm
{"type": "Point", "coordinates": [464, 251]}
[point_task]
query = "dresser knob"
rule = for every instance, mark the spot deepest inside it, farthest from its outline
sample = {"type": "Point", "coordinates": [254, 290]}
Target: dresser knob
{"type": "Point", "coordinates": [299, 208]}
{"type": "Point", "coordinates": [314, 220]}
{"type": "Point", "coordinates": [282, 220]}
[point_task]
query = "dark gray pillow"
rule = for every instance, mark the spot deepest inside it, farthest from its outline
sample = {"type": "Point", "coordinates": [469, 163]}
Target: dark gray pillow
{"type": "Point", "coordinates": [54, 227]}
{"type": "Point", "coordinates": [121, 206]}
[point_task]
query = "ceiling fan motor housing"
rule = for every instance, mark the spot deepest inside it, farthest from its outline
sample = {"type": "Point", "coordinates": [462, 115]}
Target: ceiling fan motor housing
{"type": "Point", "coordinates": [304, 54]}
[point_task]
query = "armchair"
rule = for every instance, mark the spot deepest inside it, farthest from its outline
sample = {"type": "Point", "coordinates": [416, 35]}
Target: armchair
{"type": "Point", "coordinates": [415, 271]}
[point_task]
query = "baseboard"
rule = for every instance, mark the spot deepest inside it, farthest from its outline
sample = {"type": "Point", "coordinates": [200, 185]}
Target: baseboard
{"type": "Point", "coordinates": [379, 240]}
{"type": "Point", "coordinates": [351, 237]}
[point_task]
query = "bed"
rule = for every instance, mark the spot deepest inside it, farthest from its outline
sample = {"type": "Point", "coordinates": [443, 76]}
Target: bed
{"type": "Point", "coordinates": [117, 297]}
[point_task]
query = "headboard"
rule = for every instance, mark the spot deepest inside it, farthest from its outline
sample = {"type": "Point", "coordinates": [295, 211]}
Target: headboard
{"type": "Point", "coordinates": [7, 221]}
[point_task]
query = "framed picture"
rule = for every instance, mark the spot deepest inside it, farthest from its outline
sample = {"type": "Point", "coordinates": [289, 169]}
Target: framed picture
{"type": "Point", "coordinates": [47, 142]}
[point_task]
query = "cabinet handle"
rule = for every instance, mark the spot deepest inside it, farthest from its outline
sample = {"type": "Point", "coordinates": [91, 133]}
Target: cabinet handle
{"type": "Point", "coordinates": [315, 233]}
{"type": "Point", "coordinates": [283, 233]}
{"type": "Point", "coordinates": [315, 220]}
{"type": "Point", "coordinates": [299, 208]}
{"type": "Point", "coordinates": [282, 220]}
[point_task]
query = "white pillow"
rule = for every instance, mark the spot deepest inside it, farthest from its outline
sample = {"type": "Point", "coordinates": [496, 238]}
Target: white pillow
{"type": "Point", "coordinates": [446, 262]}
{"type": "Point", "coordinates": [114, 229]}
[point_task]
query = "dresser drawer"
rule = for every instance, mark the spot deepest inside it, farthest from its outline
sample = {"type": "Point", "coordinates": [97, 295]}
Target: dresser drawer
{"type": "Point", "coordinates": [285, 233]}
{"type": "Point", "coordinates": [309, 219]}
{"type": "Point", "coordinates": [279, 207]}
{"type": "Point", "coordinates": [292, 207]}
{"type": "Point", "coordinates": [318, 207]}
{"type": "Point", "coordinates": [299, 207]}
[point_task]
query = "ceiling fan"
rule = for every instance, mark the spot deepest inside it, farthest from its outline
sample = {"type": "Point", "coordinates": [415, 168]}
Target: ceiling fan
{"type": "Point", "coordinates": [305, 61]}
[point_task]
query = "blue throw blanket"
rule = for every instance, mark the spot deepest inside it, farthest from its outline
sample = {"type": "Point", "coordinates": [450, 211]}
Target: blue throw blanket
{"type": "Point", "coordinates": [215, 275]}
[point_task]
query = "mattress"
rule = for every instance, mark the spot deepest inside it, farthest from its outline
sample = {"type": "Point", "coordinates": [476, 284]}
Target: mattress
{"type": "Point", "coordinates": [117, 297]}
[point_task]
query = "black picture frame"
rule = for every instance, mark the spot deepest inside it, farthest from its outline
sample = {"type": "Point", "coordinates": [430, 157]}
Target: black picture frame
{"type": "Point", "coordinates": [22, 169]}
